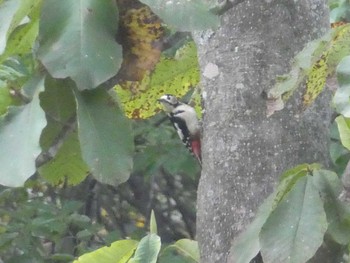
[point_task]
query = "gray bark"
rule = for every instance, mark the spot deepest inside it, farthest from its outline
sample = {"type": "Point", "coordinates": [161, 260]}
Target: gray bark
{"type": "Point", "coordinates": [244, 152]}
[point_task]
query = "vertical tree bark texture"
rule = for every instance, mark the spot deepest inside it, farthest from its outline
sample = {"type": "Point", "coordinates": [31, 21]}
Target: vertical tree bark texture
{"type": "Point", "coordinates": [244, 152]}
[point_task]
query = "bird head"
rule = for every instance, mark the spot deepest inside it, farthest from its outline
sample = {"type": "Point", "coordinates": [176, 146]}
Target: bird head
{"type": "Point", "coordinates": [169, 102]}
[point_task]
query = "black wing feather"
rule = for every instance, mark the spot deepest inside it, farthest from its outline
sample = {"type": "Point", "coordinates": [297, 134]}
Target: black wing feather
{"type": "Point", "coordinates": [179, 123]}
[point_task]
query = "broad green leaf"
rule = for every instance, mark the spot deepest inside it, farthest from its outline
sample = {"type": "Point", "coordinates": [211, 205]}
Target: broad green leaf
{"type": "Point", "coordinates": [58, 102]}
{"type": "Point", "coordinates": [340, 156]}
{"type": "Point", "coordinates": [14, 13]}
{"type": "Point", "coordinates": [8, 10]}
{"type": "Point", "coordinates": [171, 76]}
{"type": "Point", "coordinates": [77, 40]}
{"type": "Point", "coordinates": [338, 153]}
{"type": "Point", "coordinates": [336, 50]}
{"type": "Point", "coordinates": [183, 14]}
{"type": "Point", "coordinates": [305, 167]}
{"type": "Point", "coordinates": [105, 136]}
{"type": "Point", "coordinates": [22, 39]}
{"type": "Point", "coordinates": [343, 71]}
{"type": "Point", "coordinates": [247, 244]}
{"type": "Point", "coordinates": [182, 251]}
{"type": "Point", "coordinates": [338, 213]}
{"type": "Point", "coordinates": [21, 16]}
{"type": "Point", "coordinates": [68, 165]}
{"type": "Point", "coordinates": [339, 47]}
{"type": "Point", "coordinates": [147, 250]}
{"type": "Point", "coordinates": [117, 252]}
{"type": "Point", "coordinates": [153, 223]}
{"type": "Point", "coordinates": [341, 98]}
{"type": "Point", "coordinates": [344, 130]}
{"type": "Point", "coordinates": [289, 179]}
{"type": "Point", "coordinates": [295, 229]}
{"type": "Point", "coordinates": [20, 131]}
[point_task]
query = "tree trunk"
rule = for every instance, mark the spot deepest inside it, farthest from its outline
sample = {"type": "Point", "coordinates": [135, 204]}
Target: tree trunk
{"type": "Point", "coordinates": [244, 152]}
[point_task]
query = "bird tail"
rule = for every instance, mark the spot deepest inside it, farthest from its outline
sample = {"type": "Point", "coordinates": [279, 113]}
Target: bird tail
{"type": "Point", "coordinates": [196, 150]}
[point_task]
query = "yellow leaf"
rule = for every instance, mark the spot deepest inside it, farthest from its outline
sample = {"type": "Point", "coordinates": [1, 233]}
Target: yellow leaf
{"type": "Point", "coordinates": [171, 76]}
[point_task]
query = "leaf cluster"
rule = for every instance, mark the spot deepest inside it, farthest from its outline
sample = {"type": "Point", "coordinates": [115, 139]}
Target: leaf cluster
{"type": "Point", "coordinates": [147, 250]}
{"type": "Point", "coordinates": [62, 122]}
{"type": "Point", "coordinates": [41, 225]}
{"type": "Point", "coordinates": [59, 116]}
{"type": "Point", "coordinates": [293, 222]}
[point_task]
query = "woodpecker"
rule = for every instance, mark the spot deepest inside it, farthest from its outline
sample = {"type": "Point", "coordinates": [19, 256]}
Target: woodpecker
{"type": "Point", "coordinates": [185, 122]}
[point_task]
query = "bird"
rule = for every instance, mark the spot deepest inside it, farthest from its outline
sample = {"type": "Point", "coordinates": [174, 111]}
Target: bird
{"type": "Point", "coordinates": [185, 121]}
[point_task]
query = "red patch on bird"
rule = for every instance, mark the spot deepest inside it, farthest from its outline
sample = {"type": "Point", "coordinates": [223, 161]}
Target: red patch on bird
{"type": "Point", "coordinates": [196, 149]}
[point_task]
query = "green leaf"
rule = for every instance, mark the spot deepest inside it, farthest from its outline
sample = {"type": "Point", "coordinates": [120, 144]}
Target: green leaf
{"type": "Point", "coordinates": [247, 245]}
{"type": "Point", "coordinates": [8, 10]}
{"type": "Point", "coordinates": [79, 220]}
{"type": "Point", "coordinates": [296, 170]}
{"type": "Point", "coordinates": [341, 12]}
{"type": "Point", "coordinates": [58, 99]}
{"type": "Point", "coordinates": [184, 15]}
{"type": "Point", "coordinates": [20, 131]}
{"type": "Point", "coordinates": [344, 130]}
{"type": "Point", "coordinates": [58, 102]}
{"type": "Point", "coordinates": [147, 250]}
{"type": "Point", "coordinates": [338, 153]}
{"type": "Point", "coordinates": [341, 97]}
{"type": "Point", "coordinates": [338, 213]}
{"type": "Point", "coordinates": [314, 63]}
{"type": "Point", "coordinates": [5, 99]}
{"type": "Point", "coordinates": [67, 164]}
{"type": "Point", "coordinates": [303, 63]}
{"type": "Point", "coordinates": [339, 47]}
{"type": "Point", "coordinates": [183, 251]}
{"type": "Point", "coordinates": [105, 136]}
{"type": "Point", "coordinates": [84, 235]}
{"type": "Point", "coordinates": [117, 252]}
{"type": "Point", "coordinates": [21, 41]}
{"type": "Point", "coordinates": [14, 74]}
{"type": "Point", "coordinates": [153, 223]}
{"type": "Point", "coordinates": [336, 50]}
{"type": "Point", "coordinates": [295, 229]}
{"type": "Point", "coordinates": [339, 156]}
{"type": "Point", "coordinates": [77, 40]}
{"type": "Point", "coordinates": [289, 178]}
{"type": "Point", "coordinates": [6, 238]}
